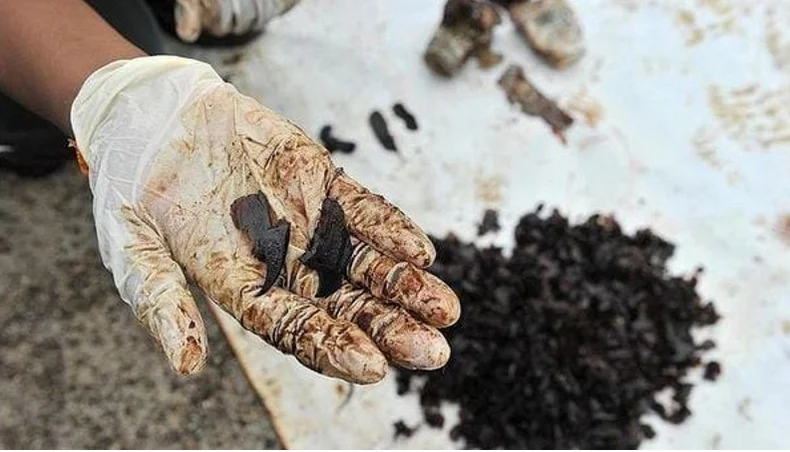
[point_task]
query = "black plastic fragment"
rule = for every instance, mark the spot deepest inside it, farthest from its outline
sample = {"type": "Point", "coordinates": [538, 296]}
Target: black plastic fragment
{"type": "Point", "coordinates": [251, 215]}
{"type": "Point", "coordinates": [434, 418]}
{"type": "Point", "coordinates": [408, 118]}
{"type": "Point", "coordinates": [648, 432]}
{"type": "Point", "coordinates": [330, 248]}
{"type": "Point", "coordinates": [334, 144]}
{"type": "Point", "coordinates": [401, 429]}
{"type": "Point", "coordinates": [403, 383]}
{"type": "Point", "coordinates": [490, 222]}
{"type": "Point", "coordinates": [712, 371]}
{"type": "Point", "coordinates": [379, 126]}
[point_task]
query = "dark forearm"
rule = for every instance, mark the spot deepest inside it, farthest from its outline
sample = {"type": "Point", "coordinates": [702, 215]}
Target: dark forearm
{"type": "Point", "coordinates": [47, 50]}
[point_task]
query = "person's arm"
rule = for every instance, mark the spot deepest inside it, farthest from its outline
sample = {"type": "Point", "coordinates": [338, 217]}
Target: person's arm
{"type": "Point", "coordinates": [49, 48]}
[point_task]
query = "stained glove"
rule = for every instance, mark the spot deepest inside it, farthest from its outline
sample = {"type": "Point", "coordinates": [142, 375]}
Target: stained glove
{"type": "Point", "coordinates": [221, 18]}
{"type": "Point", "coordinates": [169, 147]}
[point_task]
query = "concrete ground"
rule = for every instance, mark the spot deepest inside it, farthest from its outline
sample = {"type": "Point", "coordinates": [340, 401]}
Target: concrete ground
{"type": "Point", "coordinates": [76, 368]}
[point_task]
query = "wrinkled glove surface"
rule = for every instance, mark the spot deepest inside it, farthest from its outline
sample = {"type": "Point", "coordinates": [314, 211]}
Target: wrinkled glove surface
{"type": "Point", "coordinates": [169, 147]}
{"type": "Point", "coordinates": [220, 18]}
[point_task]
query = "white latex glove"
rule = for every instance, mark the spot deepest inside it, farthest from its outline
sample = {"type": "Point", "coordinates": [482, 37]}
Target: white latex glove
{"type": "Point", "coordinates": [226, 17]}
{"type": "Point", "coordinates": [169, 147]}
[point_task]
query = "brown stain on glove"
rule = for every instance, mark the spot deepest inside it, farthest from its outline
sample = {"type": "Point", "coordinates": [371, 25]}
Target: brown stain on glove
{"type": "Point", "coordinates": [334, 348]}
{"type": "Point", "coordinates": [234, 147]}
{"type": "Point", "coordinates": [421, 293]}
{"type": "Point", "coordinates": [384, 226]}
{"type": "Point", "coordinates": [163, 304]}
{"type": "Point", "coordinates": [404, 340]}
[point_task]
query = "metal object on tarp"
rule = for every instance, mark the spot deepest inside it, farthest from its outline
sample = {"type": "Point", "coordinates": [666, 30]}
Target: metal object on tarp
{"type": "Point", "coordinates": [682, 124]}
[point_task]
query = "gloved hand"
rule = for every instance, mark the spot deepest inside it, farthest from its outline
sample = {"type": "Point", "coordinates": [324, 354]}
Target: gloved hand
{"type": "Point", "coordinates": [226, 17]}
{"type": "Point", "coordinates": [169, 147]}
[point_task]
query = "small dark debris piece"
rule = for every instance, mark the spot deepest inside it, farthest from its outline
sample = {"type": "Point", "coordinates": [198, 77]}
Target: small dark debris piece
{"type": "Point", "coordinates": [679, 416]}
{"type": "Point", "coordinates": [712, 371]}
{"type": "Point", "coordinates": [401, 429]}
{"type": "Point", "coordinates": [334, 144]}
{"type": "Point", "coordinates": [408, 118]}
{"type": "Point", "coordinates": [566, 341]}
{"type": "Point", "coordinates": [521, 91]}
{"type": "Point", "coordinates": [379, 126]}
{"type": "Point", "coordinates": [648, 432]}
{"type": "Point", "coordinates": [490, 222]}
{"type": "Point", "coordinates": [403, 382]}
{"type": "Point", "coordinates": [251, 215]}
{"type": "Point", "coordinates": [330, 248]}
{"type": "Point", "coordinates": [434, 418]}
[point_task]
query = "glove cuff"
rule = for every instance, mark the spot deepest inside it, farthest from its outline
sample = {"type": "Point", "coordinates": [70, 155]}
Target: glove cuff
{"type": "Point", "coordinates": [124, 115]}
{"type": "Point", "coordinates": [111, 85]}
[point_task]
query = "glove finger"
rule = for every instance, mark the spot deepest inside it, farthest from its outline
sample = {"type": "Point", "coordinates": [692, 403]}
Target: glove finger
{"type": "Point", "coordinates": [188, 19]}
{"type": "Point", "coordinates": [162, 301]}
{"type": "Point", "coordinates": [421, 293]}
{"type": "Point", "coordinates": [404, 340]}
{"type": "Point", "coordinates": [292, 324]}
{"type": "Point", "coordinates": [172, 317]}
{"type": "Point", "coordinates": [376, 221]}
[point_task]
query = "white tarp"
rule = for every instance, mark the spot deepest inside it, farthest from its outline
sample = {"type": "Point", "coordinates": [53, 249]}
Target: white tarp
{"type": "Point", "coordinates": [682, 109]}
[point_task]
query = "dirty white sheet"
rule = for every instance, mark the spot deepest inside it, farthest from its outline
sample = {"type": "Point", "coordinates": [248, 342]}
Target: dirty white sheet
{"type": "Point", "coordinates": [682, 110]}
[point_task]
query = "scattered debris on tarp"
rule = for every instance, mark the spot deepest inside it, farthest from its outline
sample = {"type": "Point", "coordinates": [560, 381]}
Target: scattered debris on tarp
{"type": "Point", "coordinates": [551, 28]}
{"type": "Point", "coordinates": [408, 118]}
{"type": "Point", "coordinates": [334, 144]}
{"type": "Point", "coordinates": [521, 91]}
{"type": "Point", "coordinates": [466, 29]}
{"type": "Point", "coordinates": [382, 132]}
